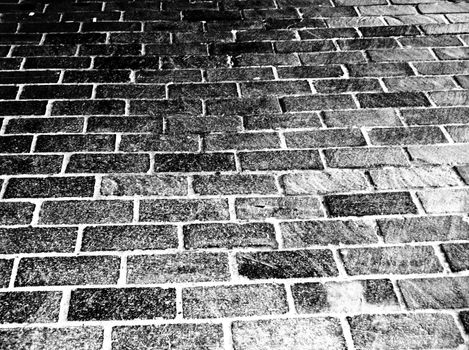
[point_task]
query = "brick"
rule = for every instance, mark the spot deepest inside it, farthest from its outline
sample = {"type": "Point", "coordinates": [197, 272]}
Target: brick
{"type": "Point", "coordinates": [445, 200]}
{"type": "Point", "coordinates": [79, 107]}
{"type": "Point", "coordinates": [463, 171]}
{"type": "Point", "coordinates": [281, 160]}
{"type": "Point", "coordinates": [122, 238]}
{"type": "Point", "coordinates": [183, 210]}
{"type": "Point", "coordinates": [110, 49]}
{"type": "Point", "coordinates": [15, 144]}
{"type": "Point", "coordinates": [97, 76]}
{"type": "Point", "coordinates": [162, 107]}
{"type": "Point", "coordinates": [430, 41]}
{"type": "Point", "coordinates": [129, 62]}
{"type": "Point", "coordinates": [16, 213]}
{"type": "Point", "coordinates": [444, 7]}
{"type": "Point", "coordinates": [453, 28]}
{"type": "Point", "coordinates": [44, 50]}
{"type": "Point", "coordinates": [402, 136]}
{"type": "Point", "coordinates": [367, 43]}
{"type": "Point", "coordinates": [453, 53]}
{"type": "Point", "coordinates": [346, 85]}
{"type": "Point", "coordinates": [304, 46]}
{"type": "Point", "coordinates": [134, 91]}
{"type": "Point", "coordinates": [238, 48]}
{"type": "Point", "coordinates": [8, 92]}
{"type": "Point", "coordinates": [351, 297]}
{"type": "Point", "coordinates": [309, 72]}
{"type": "Point", "coordinates": [75, 143]}
{"type": "Point", "coordinates": [31, 77]}
{"type": "Point", "coordinates": [234, 184]}
{"type": "Point", "coordinates": [121, 304]}
{"type": "Point", "coordinates": [319, 182]}
{"type": "Point", "coordinates": [178, 268]}
{"type": "Point", "coordinates": [324, 138]}
{"type": "Point", "coordinates": [264, 35]}
{"type": "Point", "coordinates": [125, 124]}
{"type": "Point", "coordinates": [168, 76]}
{"type": "Point", "coordinates": [282, 121]}
{"type": "Point", "coordinates": [278, 207]}
{"type": "Point", "coordinates": [86, 212]}
{"type": "Point", "coordinates": [111, 27]}
{"type": "Point", "coordinates": [426, 331]}
{"type": "Point", "coordinates": [254, 59]}
{"type": "Point", "coordinates": [271, 13]}
{"type": "Point", "coordinates": [442, 68]}
{"type": "Point", "coordinates": [108, 163]}
{"type": "Point", "coordinates": [331, 58]}
{"type": "Point", "coordinates": [463, 80]}
{"type": "Point", "coordinates": [194, 162]}
{"type": "Point", "coordinates": [40, 125]}
{"type": "Point", "coordinates": [286, 264]}
{"type": "Point", "coordinates": [56, 271]}
{"type": "Point", "coordinates": [370, 204]}
{"type": "Point", "coordinates": [202, 90]}
{"type": "Point", "coordinates": [243, 106]}
{"type": "Point", "coordinates": [420, 83]}
{"type": "Point", "coordinates": [211, 15]}
{"type": "Point", "coordinates": [56, 91]}
{"type": "Point", "coordinates": [389, 31]}
{"type": "Point", "coordinates": [395, 99]}
{"type": "Point", "coordinates": [69, 338]}
{"type": "Point", "coordinates": [10, 63]}
{"type": "Point", "coordinates": [315, 103]}
{"type": "Point", "coordinates": [240, 74]}
{"type": "Point", "coordinates": [302, 234]}
{"type": "Point", "coordinates": [37, 164]}
{"type": "Point", "coordinates": [365, 157]}
{"type": "Point", "coordinates": [369, 117]}
{"type": "Point", "coordinates": [457, 256]}
{"type": "Point", "coordinates": [394, 178]}
{"type": "Point", "coordinates": [242, 141]}
{"type": "Point", "coordinates": [380, 70]}
{"type": "Point", "coordinates": [258, 89]}
{"type": "Point", "coordinates": [229, 235]}
{"type": "Point", "coordinates": [390, 260]}
{"type": "Point", "coordinates": [6, 267]}
{"type": "Point", "coordinates": [301, 333]}
{"type": "Point", "coordinates": [176, 49]}
{"type": "Point", "coordinates": [234, 301]}
{"type": "Point", "coordinates": [143, 185]}
{"type": "Point", "coordinates": [444, 154]}
{"type": "Point", "coordinates": [188, 62]}
{"type": "Point", "coordinates": [450, 115]}
{"type": "Point", "coordinates": [57, 62]}
{"type": "Point", "coordinates": [29, 307]}
{"type": "Point", "coordinates": [75, 38]}
{"type": "Point", "coordinates": [22, 107]}
{"type": "Point", "coordinates": [459, 133]}
{"type": "Point", "coordinates": [176, 336]}
{"type": "Point", "coordinates": [327, 33]}
{"type": "Point", "coordinates": [202, 125]}
{"type": "Point", "coordinates": [450, 98]}
{"type": "Point", "coordinates": [390, 10]}
{"type": "Point", "coordinates": [20, 38]}
{"type": "Point", "coordinates": [400, 55]}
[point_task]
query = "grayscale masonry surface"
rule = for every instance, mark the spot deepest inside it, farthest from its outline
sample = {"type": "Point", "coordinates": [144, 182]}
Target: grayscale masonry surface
{"type": "Point", "coordinates": [234, 175]}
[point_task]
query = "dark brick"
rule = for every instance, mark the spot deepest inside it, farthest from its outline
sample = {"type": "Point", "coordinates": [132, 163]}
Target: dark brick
{"type": "Point", "coordinates": [110, 49]}
{"type": "Point", "coordinates": [56, 271]}
{"type": "Point", "coordinates": [86, 107]}
{"type": "Point", "coordinates": [125, 124]}
{"type": "Point", "coordinates": [31, 77]}
{"type": "Point", "coordinates": [57, 62]}
{"type": "Point", "coordinates": [22, 107]}
{"type": "Point", "coordinates": [326, 11]}
{"type": "Point", "coordinates": [390, 31]}
{"type": "Point", "coordinates": [194, 162]}
{"type": "Point", "coordinates": [241, 74]}
{"type": "Point", "coordinates": [163, 107]}
{"type": "Point", "coordinates": [75, 38]}
{"type": "Point", "coordinates": [175, 336]}
{"type": "Point", "coordinates": [128, 62]}
{"type": "Point", "coordinates": [178, 268]}
{"type": "Point", "coordinates": [18, 38]}
{"type": "Point", "coordinates": [281, 160]}
{"type": "Point", "coordinates": [122, 304]}
{"type": "Point", "coordinates": [305, 46]}
{"type": "Point", "coordinates": [169, 76]}
{"type": "Point", "coordinates": [258, 89]}
{"type": "Point", "coordinates": [390, 260]}
{"type": "Point", "coordinates": [316, 103]}
{"type": "Point", "coordinates": [202, 125]}
{"type": "Point", "coordinates": [380, 70]}
{"type": "Point", "coordinates": [302, 234]}
{"type": "Point", "coordinates": [210, 15]}
{"type": "Point", "coordinates": [264, 35]}
{"type": "Point", "coordinates": [430, 41]}
{"type": "Point", "coordinates": [71, 338]}
{"type": "Point", "coordinates": [457, 256]}
{"type": "Point", "coordinates": [202, 90]}
{"type": "Point", "coordinates": [371, 204]}
{"type": "Point", "coordinates": [442, 68]}
{"type": "Point", "coordinates": [286, 264]}
{"type": "Point", "coordinates": [75, 143]}
{"type": "Point", "coordinates": [44, 125]}
{"type": "Point", "coordinates": [243, 106]}
{"type": "Point", "coordinates": [253, 59]}
{"type": "Point", "coordinates": [425, 331]}
{"type": "Point", "coordinates": [325, 138]}
{"type": "Point", "coordinates": [111, 27]}
{"type": "Point", "coordinates": [183, 210]}
{"type": "Point", "coordinates": [108, 163]}
{"type": "Point", "coordinates": [346, 85]}
{"type": "Point", "coordinates": [15, 144]}
{"type": "Point", "coordinates": [56, 91]}
{"type": "Point", "coordinates": [37, 164]}
{"type": "Point", "coordinates": [44, 50]}
{"type": "Point", "coordinates": [16, 213]}
{"type": "Point", "coordinates": [133, 91]}
{"type": "Point", "coordinates": [10, 63]}
{"type": "Point", "coordinates": [166, 143]}
{"type": "Point", "coordinates": [242, 141]}
{"type": "Point", "coordinates": [403, 136]}
{"type": "Point", "coordinates": [181, 49]}
{"type": "Point", "coordinates": [29, 307]}
{"type": "Point", "coordinates": [234, 184]}
{"type": "Point", "coordinates": [309, 72]}
{"type": "Point", "coordinates": [287, 13]}
{"type": "Point", "coordinates": [97, 76]}
{"type": "Point", "coordinates": [282, 121]}
{"type": "Point", "coordinates": [367, 43]}
{"type": "Point", "coordinates": [396, 99]}
{"type": "Point", "coordinates": [194, 62]}
{"type": "Point", "coordinates": [229, 235]}
{"type": "Point", "coordinates": [25, 240]}
{"type": "Point", "coordinates": [121, 238]}
{"type": "Point", "coordinates": [234, 301]}
{"type": "Point", "coordinates": [365, 157]}
{"type": "Point", "coordinates": [423, 229]}
{"type": "Point", "coordinates": [378, 117]}
{"type": "Point", "coordinates": [420, 83]}
{"type": "Point", "coordinates": [50, 187]}
{"type": "Point", "coordinates": [6, 266]}
{"type": "Point", "coordinates": [86, 212]}
{"type": "Point", "coordinates": [332, 58]}
{"type": "Point", "coordinates": [143, 185]}
{"type": "Point", "coordinates": [327, 33]}
{"type": "Point", "coordinates": [239, 48]}
{"type": "Point", "coordinates": [8, 92]}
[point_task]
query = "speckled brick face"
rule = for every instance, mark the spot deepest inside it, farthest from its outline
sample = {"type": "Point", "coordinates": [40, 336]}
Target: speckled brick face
{"type": "Point", "coordinates": [234, 174]}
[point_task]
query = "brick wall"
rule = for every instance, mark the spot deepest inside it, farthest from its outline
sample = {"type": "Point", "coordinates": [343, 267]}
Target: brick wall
{"type": "Point", "coordinates": [234, 174]}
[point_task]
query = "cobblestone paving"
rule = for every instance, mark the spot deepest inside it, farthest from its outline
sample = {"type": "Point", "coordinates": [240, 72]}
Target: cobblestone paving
{"type": "Point", "coordinates": [234, 174]}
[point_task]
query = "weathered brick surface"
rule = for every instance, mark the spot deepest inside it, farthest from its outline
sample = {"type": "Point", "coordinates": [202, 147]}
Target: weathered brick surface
{"type": "Point", "coordinates": [240, 163]}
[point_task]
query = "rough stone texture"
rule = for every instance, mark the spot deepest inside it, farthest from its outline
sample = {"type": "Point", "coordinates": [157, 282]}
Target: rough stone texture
{"type": "Point", "coordinates": [301, 334]}
{"type": "Point", "coordinates": [365, 157]}
{"type": "Point", "coordinates": [6, 266]}
{"type": "Point", "coordinates": [143, 186]}
{"type": "Point", "coordinates": [177, 268]}
{"type": "Point", "coordinates": [174, 336]}
{"type": "Point", "coordinates": [457, 256]}
{"type": "Point", "coordinates": [234, 184]}
{"type": "Point", "coordinates": [424, 331]}
{"type": "Point", "coordinates": [29, 307]}
{"type": "Point", "coordinates": [232, 301]}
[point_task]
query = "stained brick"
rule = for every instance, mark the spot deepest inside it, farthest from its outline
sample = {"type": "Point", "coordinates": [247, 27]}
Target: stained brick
{"type": "Point", "coordinates": [121, 238]}
{"type": "Point", "coordinates": [229, 235]}
{"type": "Point", "coordinates": [125, 124]}
{"type": "Point", "coordinates": [143, 185]}
{"type": "Point", "coordinates": [108, 163]}
{"type": "Point", "coordinates": [178, 268]}
{"type": "Point", "coordinates": [86, 107]}
{"type": "Point", "coordinates": [394, 99]}
{"type": "Point", "coordinates": [402, 136]}
{"type": "Point", "coordinates": [390, 260]}
{"type": "Point", "coordinates": [304, 46]}
{"type": "Point", "coordinates": [233, 301]}
{"type": "Point", "coordinates": [97, 76]}
{"type": "Point", "coordinates": [29, 307]}
{"type": "Point", "coordinates": [122, 304]}
{"type": "Point", "coordinates": [194, 162]}
{"type": "Point", "coordinates": [54, 271]}
{"type": "Point", "coordinates": [234, 184]}
{"type": "Point", "coordinates": [202, 90]}
{"type": "Point", "coordinates": [134, 91]}
{"type": "Point", "coordinates": [457, 256]}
